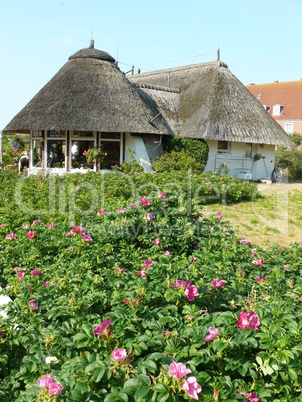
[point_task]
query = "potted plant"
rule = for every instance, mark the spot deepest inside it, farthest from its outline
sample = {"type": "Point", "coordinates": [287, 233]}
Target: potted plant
{"type": "Point", "coordinates": [96, 154]}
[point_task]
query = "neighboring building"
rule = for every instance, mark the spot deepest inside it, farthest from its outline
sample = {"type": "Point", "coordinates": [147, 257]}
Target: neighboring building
{"type": "Point", "coordinates": [206, 101]}
{"type": "Point", "coordinates": [91, 102]}
{"type": "Point", "coordinates": [283, 101]}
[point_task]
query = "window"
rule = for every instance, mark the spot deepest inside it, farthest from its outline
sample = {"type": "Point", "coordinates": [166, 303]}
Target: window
{"type": "Point", "coordinates": [56, 134]}
{"type": "Point", "coordinates": [37, 152]}
{"type": "Point", "coordinates": [248, 150]}
{"type": "Point", "coordinates": [113, 151]}
{"type": "Point", "coordinates": [267, 108]}
{"type": "Point", "coordinates": [78, 160]}
{"type": "Point", "coordinates": [277, 110]}
{"type": "Point", "coordinates": [112, 145]}
{"type": "Point", "coordinates": [289, 128]}
{"type": "Point", "coordinates": [259, 95]}
{"type": "Point", "coordinates": [83, 133]}
{"type": "Point", "coordinates": [56, 151]}
{"type": "Point", "coordinates": [223, 146]}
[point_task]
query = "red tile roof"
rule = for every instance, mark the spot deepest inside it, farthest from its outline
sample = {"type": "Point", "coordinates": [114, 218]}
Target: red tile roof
{"type": "Point", "coordinates": [287, 94]}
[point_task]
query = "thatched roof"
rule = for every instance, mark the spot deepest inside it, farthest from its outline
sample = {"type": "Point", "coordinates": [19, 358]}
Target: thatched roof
{"type": "Point", "coordinates": [89, 93]}
{"type": "Point", "coordinates": [212, 104]}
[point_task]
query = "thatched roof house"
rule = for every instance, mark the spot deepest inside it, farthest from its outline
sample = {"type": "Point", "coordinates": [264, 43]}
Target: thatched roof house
{"type": "Point", "coordinates": [212, 104]}
{"type": "Point", "coordinates": [91, 102]}
{"type": "Point", "coordinates": [206, 101]}
{"type": "Point", "coordinates": [89, 93]}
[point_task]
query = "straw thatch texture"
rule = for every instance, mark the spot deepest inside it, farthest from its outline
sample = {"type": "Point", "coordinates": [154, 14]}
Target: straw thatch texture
{"type": "Point", "coordinates": [89, 93]}
{"type": "Point", "coordinates": [213, 104]}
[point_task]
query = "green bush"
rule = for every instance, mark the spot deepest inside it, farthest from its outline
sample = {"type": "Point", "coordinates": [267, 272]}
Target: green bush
{"type": "Point", "coordinates": [297, 138]}
{"type": "Point", "coordinates": [98, 270]}
{"type": "Point", "coordinates": [290, 159]}
{"type": "Point", "coordinates": [178, 161]}
{"type": "Point", "coordinates": [197, 149]}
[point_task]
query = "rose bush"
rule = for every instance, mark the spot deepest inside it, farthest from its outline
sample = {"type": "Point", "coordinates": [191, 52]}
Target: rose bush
{"type": "Point", "coordinates": [196, 323]}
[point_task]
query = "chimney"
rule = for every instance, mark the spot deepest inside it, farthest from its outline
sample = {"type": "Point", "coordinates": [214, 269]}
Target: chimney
{"type": "Point", "coordinates": [218, 54]}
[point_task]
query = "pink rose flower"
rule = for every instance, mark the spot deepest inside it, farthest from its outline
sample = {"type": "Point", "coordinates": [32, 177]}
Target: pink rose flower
{"type": "Point", "coordinates": [35, 272]}
{"type": "Point", "coordinates": [193, 259]}
{"type": "Point", "coordinates": [33, 305]}
{"type": "Point", "coordinates": [249, 319]}
{"type": "Point", "coordinates": [102, 212]}
{"type": "Point", "coordinates": [119, 355]}
{"type": "Point", "coordinates": [148, 263]}
{"type": "Point", "coordinates": [192, 388]}
{"type": "Point", "coordinates": [51, 225]}
{"type": "Point", "coordinates": [254, 320]}
{"type": "Point", "coordinates": [219, 216]}
{"type": "Point", "coordinates": [251, 397]}
{"type": "Point", "coordinates": [244, 241]}
{"type": "Point", "coordinates": [217, 284]}
{"type": "Point", "coordinates": [258, 262]}
{"type": "Point", "coordinates": [144, 201]}
{"type": "Point", "coordinates": [243, 321]}
{"type": "Point", "coordinates": [166, 252]}
{"type": "Point", "coordinates": [37, 221]}
{"type": "Point", "coordinates": [156, 241]}
{"type": "Point", "coordinates": [260, 278]}
{"type": "Point", "coordinates": [253, 251]}
{"type": "Point", "coordinates": [46, 284]}
{"type": "Point", "coordinates": [178, 370]}
{"type": "Point", "coordinates": [11, 236]}
{"type": "Point", "coordinates": [55, 388]}
{"type": "Point", "coordinates": [141, 273]}
{"type": "Point", "coordinates": [86, 238]}
{"type": "Point", "coordinates": [45, 381]}
{"type": "Point", "coordinates": [20, 275]}
{"type": "Point", "coordinates": [179, 283]}
{"type": "Point", "coordinates": [31, 234]}
{"type": "Point", "coordinates": [213, 332]}
{"type": "Point", "coordinates": [101, 328]}
{"type": "Point", "coordinates": [149, 217]}
{"type": "Point", "coordinates": [191, 292]}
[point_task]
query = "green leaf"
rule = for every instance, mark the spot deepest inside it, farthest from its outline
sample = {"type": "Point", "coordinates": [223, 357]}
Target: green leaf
{"type": "Point", "coordinates": [165, 320]}
{"type": "Point", "coordinates": [112, 397]}
{"type": "Point", "coordinates": [259, 360]}
{"type": "Point", "coordinates": [98, 374]}
{"type": "Point", "coordinates": [150, 365]}
{"type": "Point", "coordinates": [141, 393]}
{"type": "Point", "coordinates": [161, 388]}
{"type": "Point", "coordinates": [91, 367]}
{"type": "Point", "coordinates": [292, 374]}
{"type": "Point", "coordinates": [123, 397]}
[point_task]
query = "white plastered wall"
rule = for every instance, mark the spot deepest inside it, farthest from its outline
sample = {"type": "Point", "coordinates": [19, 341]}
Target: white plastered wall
{"type": "Point", "coordinates": [260, 170]}
{"type": "Point", "coordinates": [137, 145]}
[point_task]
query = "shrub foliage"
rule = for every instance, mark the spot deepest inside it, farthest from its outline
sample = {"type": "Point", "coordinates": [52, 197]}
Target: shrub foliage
{"type": "Point", "coordinates": [114, 280]}
{"type": "Point", "coordinates": [182, 154]}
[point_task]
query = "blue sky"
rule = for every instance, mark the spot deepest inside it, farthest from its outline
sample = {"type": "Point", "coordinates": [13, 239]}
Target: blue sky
{"type": "Point", "coordinates": [259, 40]}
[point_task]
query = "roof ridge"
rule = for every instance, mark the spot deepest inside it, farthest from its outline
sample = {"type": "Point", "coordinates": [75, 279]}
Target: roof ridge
{"type": "Point", "coordinates": [156, 87]}
{"type": "Point", "coordinates": [218, 63]}
{"type": "Point", "coordinates": [275, 82]}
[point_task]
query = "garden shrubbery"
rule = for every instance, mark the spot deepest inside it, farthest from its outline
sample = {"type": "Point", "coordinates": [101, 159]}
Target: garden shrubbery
{"type": "Point", "coordinates": [291, 158]}
{"type": "Point", "coordinates": [122, 291]}
{"type": "Point", "coordinates": [182, 154]}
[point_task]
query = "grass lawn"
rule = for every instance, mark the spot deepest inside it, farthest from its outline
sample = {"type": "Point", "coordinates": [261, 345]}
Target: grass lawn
{"type": "Point", "coordinates": [274, 217]}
